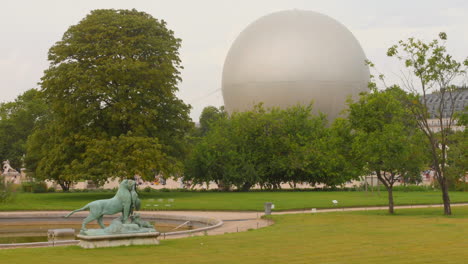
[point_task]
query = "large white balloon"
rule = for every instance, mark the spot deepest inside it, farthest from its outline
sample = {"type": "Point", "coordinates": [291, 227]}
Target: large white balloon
{"type": "Point", "coordinates": [292, 57]}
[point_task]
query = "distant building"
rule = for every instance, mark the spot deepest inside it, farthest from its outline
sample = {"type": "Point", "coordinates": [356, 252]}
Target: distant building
{"type": "Point", "coordinates": [458, 100]}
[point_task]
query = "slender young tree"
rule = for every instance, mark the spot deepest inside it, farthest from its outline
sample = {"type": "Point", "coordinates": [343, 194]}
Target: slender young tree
{"type": "Point", "coordinates": [435, 71]}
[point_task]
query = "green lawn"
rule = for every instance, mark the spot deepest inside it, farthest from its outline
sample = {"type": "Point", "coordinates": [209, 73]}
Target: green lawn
{"type": "Point", "coordinates": [411, 236]}
{"type": "Point", "coordinates": [243, 201]}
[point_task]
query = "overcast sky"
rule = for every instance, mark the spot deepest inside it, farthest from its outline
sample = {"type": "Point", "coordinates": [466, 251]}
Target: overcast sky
{"type": "Point", "coordinates": [208, 28]}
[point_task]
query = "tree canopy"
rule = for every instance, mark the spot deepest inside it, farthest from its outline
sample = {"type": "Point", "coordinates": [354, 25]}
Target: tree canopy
{"type": "Point", "coordinates": [17, 120]}
{"type": "Point", "coordinates": [113, 75]}
{"type": "Point", "coordinates": [269, 147]}
{"type": "Point", "coordinates": [210, 115]}
{"type": "Point", "coordinates": [387, 139]}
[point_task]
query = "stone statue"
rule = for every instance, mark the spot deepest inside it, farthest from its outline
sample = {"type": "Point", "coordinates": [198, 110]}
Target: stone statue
{"type": "Point", "coordinates": [7, 167]}
{"type": "Point", "coordinates": [136, 203]}
{"type": "Point", "coordinates": [118, 226]}
{"type": "Point", "coordinates": [126, 201]}
{"type": "Point", "coordinates": [141, 223]}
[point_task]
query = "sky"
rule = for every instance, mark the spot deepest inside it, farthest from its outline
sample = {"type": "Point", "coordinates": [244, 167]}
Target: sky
{"type": "Point", "coordinates": [208, 28]}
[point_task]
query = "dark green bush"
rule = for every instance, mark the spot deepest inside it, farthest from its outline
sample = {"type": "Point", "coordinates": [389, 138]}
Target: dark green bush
{"type": "Point", "coordinates": [147, 189]}
{"type": "Point", "coordinates": [39, 187]}
{"type": "Point", "coordinates": [6, 191]}
{"type": "Point", "coordinates": [461, 186]}
{"type": "Point", "coordinates": [27, 186]}
{"type": "Point", "coordinates": [34, 187]}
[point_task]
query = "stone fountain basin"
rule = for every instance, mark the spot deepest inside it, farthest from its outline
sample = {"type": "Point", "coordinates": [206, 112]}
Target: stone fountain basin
{"type": "Point", "coordinates": [38, 221]}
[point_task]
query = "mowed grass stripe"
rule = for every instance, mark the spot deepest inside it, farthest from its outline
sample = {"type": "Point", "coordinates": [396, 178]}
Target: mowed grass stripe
{"type": "Point", "coordinates": [411, 236]}
{"type": "Point", "coordinates": [233, 201]}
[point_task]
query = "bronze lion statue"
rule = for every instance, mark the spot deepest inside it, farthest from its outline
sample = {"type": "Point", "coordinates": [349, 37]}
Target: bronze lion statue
{"type": "Point", "coordinates": [121, 202]}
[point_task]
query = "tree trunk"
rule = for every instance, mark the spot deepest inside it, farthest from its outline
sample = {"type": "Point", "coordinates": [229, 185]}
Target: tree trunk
{"type": "Point", "coordinates": [65, 185]}
{"type": "Point", "coordinates": [389, 186]}
{"type": "Point", "coordinates": [365, 183]}
{"type": "Point", "coordinates": [445, 196]}
{"type": "Point", "coordinates": [246, 187]}
{"type": "Point", "coordinates": [390, 199]}
{"type": "Point", "coordinates": [378, 187]}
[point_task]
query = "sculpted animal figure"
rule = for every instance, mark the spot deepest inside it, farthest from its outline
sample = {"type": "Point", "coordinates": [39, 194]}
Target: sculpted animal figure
{"type": "Point", "coordinates": [121, 202]}
{"type": "Point", "coordinates": [136, 203]}
{"type": "Point", "coordinates": [136, 219]}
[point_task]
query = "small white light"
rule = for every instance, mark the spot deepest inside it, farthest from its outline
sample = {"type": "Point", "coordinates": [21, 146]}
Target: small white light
{"type": "Point", "coordinates": [335, 202]}
{"type": "Point", "coordinates": [272, 206]}
{"type": "Point", "coordinates": [314, 210]}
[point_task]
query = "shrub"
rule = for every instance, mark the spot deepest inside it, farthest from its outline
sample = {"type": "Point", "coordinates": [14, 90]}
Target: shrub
{"type": "Point", "coordinates": [413, 188]}
{"type": "Point", "coordinates": [39, 187]}
{"type": "Point", "coordinates": [27, 186]}
{"type": "Point", "coordinates": [147, 189]}
{"type": "Point", "coordinates": [461, 186]}
{"type": "Point", "coordinates": [6, 191]}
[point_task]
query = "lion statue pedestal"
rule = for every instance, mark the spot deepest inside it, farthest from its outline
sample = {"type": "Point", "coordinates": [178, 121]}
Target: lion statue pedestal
{"type": "Point", "coordinates": [128, 229]}
{"type": "Point", "coordinates": [99, 241]}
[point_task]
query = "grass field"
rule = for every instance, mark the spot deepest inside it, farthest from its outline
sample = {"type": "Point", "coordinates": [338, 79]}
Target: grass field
{"type": "Point", "coordinates": [240, 201]}
{"type": "Point", "coordinates": [411, 236]}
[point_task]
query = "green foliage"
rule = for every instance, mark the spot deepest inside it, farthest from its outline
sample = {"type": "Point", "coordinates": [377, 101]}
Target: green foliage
{"type": "Point", "coordinates": [209, 116]}
{"type": "Point", "coordinates": [111, 86]}
{"type": "Point", "coordinates": [26, 186]}
{"type": "Point", "coordinates": [429, 62]}
{"type": "Point", "coordinates": [270, 147]}
{"type": "Point", "coordinates": [147, 189]}
{"type": "Point", "coordinates": [6, 190]}
{"type": "Point", "coordinates": [462, 117]}
{"type": "Point", "coordinates": [407, 188]}
{"type": "Point", "coordinates": [387, 138]}
{"type": "Point", "coordinates": [414, 188]}
{"type": "Point", "coordinates": [124, 156]}
{"type": "Point", "coordinates": [39, 187]}
{"type": "Point", "coordinates": [34, 186]}
{"type": "Point", "coordinates": [17, 120]}
{"type": "Point", "coordinates": [457, 160]}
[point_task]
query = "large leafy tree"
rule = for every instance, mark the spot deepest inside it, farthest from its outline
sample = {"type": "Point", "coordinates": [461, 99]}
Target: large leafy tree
{"type": "Point", "coordinates": [435, 72]}
{"type": "Point", "coordinates": [17, 120]}
{"type": "Point", "coordinates": [386, 139]}
{"type": "Point", "coordinates": [112, 76]}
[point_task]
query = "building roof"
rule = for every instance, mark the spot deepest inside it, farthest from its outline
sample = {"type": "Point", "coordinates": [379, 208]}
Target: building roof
{"type": "Point", "coordinates": [459, 98]}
